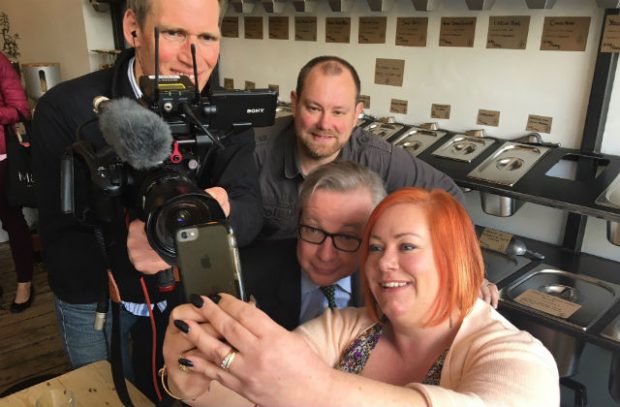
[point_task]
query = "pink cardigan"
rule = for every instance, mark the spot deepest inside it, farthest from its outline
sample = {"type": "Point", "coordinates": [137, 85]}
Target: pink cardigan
{"type": "Point", "coordinates": [490, 363]}
{"type": "Point", "coordinates": [12, 97]}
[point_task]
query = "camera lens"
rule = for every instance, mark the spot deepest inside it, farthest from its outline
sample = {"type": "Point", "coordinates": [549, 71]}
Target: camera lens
{"type": "Point", "coordinates": [183, 217]}
{"type": "Point", "coordinates": [181, 211]}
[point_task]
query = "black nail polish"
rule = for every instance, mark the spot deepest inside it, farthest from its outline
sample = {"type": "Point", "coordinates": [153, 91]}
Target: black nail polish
{"type": "Point", "coordinates": [181, 325]}
{"type": "Point", "coordinates": [186, 362]}
{"type": "Point", "coordinates": [215, 298]}
{"type": "Point", "coordinates": [196, 300]}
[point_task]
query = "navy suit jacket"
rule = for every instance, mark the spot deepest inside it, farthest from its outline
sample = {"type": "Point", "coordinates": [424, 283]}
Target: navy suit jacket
{"type": "Point", "coordinates": [272, 275]}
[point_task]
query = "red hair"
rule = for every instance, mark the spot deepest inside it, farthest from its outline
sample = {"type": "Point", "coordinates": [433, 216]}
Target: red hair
{"type": "Point", "coordinates": [456, 251]}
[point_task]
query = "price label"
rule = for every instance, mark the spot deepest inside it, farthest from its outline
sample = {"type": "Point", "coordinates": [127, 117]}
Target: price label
{"type": "Point", "coordinates": [547, 303]}
{"type": "Point", "coordinates": [495, 240]}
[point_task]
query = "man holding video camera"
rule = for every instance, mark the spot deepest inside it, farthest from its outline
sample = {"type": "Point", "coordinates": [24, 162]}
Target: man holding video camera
{"type": "Point", "coordinates": [72, 253]}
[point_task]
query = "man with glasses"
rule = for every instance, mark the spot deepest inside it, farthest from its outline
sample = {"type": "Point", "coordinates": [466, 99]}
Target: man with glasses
{"type": "Point", "coordinates": [72, 255]}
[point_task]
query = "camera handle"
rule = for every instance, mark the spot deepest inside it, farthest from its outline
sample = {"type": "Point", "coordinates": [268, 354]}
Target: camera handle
{"type": "Point", "coordinates": [166, 281]}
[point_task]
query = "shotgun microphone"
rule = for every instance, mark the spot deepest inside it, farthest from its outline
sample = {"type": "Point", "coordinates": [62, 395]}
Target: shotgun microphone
{"type": "Point", "coordinates": [140, 137]}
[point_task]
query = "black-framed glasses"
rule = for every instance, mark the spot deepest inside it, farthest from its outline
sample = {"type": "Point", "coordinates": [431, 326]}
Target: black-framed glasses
{"type": "Point", "coordinates": [341, 241]}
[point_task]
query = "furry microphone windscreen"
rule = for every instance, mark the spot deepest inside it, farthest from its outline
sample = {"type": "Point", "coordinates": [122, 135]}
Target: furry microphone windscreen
{"type": "Point", "coordinates": [140, 137]}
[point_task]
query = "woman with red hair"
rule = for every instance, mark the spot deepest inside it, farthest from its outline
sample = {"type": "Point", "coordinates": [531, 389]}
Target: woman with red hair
{"type": "Point", "coordinates": [423, 339]}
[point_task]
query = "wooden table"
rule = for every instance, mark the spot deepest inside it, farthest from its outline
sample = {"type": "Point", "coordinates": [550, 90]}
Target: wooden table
{"type": "Point", "coordinates": [91, 385]}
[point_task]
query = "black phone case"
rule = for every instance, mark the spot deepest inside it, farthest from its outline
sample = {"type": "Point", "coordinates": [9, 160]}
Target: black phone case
{"type": "Point", "coordinates": [208, 260]}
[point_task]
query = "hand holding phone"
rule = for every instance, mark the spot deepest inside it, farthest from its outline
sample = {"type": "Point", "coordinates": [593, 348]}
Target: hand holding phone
{"type": "Point", "coordinates": [208, 260]}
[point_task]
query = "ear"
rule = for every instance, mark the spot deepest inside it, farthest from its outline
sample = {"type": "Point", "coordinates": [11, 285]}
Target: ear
{"type": "Point", "coordinates": [131, 29]}
{"type": "Point", "coordinates": [358, 109]}
{"type": "Point", "coordinates": [293, 101]}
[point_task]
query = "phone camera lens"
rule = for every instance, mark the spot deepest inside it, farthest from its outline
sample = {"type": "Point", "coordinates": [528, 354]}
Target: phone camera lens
{"type": "Point", "coordinates": [184, 235]}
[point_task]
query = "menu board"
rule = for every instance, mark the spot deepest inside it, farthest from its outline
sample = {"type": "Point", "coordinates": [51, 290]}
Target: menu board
{"type": "Point", "coordinates": [278, 28]}
{"type": "Point", "coordinates": [305, 28]}
{"type": "Point", "coordinates": [411, 31]}
{"type": "Point", "coordinates": [457, 31]}
{"type": "Point", "coordinates": [230, 27]}
{"type": "Point", "coordinates": [398, 106]}
{"type": "Point", "coordinates": [440, 111]}
{"type": "Point", "coordinates": [229, 83]}
{"type": "Point", "coordinates": [389, 71]}
{"type": "Point", "coordinates": [508, 32]}
{"type": "Point", "coordinates": [253, 28]}
{"type": "Point", "coordinates": [488, 117]}
{"type": "Point", "coordinates": [540, 124]}
{"type": "Point", "coordinates": [372, 30]}
{"type": "Point", "coordinates": [611, 35]}
{"type": "Point", "coordinates": [338, 29]}
{"type": "Point", "coordinates": [365, 99]}
{"type": "Point", "coordinates": [565, 33]}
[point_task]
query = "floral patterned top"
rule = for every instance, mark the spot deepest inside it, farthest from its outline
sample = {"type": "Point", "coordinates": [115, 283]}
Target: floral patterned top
{"type": "Point", "coordinates": [356, 355]}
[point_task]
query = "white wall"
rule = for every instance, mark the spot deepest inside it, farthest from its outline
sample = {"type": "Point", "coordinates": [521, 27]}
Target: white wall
{"type": "Point", "coordinates": [515, 82]}
{"type": "Point", "coordinates": [60, 31]}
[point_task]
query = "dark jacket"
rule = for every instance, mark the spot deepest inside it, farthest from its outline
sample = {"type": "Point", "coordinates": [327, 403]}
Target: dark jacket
{"type": "Point", "coordinates": [273, 276]}
{"type": "Point", "coordinates": [72, 256]}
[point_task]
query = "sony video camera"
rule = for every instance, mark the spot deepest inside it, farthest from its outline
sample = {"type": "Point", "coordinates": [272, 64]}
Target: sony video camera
{"type": "Point", "coordinates": [153, 167]}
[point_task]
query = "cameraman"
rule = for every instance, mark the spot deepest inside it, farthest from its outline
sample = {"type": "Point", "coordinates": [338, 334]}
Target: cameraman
{"type": "Point", "coordinates": [72, 255]}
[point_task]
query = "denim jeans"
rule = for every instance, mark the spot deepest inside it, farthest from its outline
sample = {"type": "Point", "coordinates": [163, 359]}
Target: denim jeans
{"type": "Point", "coordinates": [82, 343]}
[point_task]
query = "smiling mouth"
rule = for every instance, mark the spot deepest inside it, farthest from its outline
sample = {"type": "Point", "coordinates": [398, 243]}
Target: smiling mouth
{"type": "Point", "coordinates": [394, 284]}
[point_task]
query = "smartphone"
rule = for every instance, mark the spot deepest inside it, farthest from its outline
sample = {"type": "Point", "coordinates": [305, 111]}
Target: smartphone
{"type": "Point", "coordinates": [208, 260]}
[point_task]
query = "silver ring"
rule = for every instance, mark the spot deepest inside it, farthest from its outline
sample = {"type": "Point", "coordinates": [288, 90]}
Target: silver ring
{"type": "Point", "coordinates": [228, 359]}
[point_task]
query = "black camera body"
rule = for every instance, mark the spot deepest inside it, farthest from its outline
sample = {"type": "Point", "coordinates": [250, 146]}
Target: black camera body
{"type": "Point", "coordinates": [167, 196]}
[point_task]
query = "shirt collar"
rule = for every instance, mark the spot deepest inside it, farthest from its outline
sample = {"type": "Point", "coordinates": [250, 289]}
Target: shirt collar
{"type": "Point", "coordinates": [132, 79]}
{"type": "Point", "coordinates": [291, 156]}
{"type": "Point", "coordinates": [308, 286]}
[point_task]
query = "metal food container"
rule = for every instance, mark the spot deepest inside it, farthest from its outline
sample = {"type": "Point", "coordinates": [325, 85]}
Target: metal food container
{"type": "Point", "coordinates": [589, 298]}
{"type": "Point", "coordinates": [499, 205]}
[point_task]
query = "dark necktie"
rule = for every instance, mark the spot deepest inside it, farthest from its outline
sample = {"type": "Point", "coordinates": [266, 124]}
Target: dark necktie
{"type": "Point", "coordinates": [330, 293]}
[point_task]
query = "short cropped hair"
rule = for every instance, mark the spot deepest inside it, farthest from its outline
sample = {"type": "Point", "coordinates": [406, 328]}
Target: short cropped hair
{"type": "Point", "coordinates": [457, 255]}
{"type": "Point", "coordinates": [141, 9]}
{"type": "Point", "coordinates": [330, 65]}
{"type": "Point", "coordinates": [341, 176]}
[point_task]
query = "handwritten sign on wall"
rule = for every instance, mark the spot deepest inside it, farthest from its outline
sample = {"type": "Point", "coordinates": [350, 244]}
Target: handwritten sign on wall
{"type": "Point", "coordinates": [372, 30]}
{"type": "Point", "coordinates": [508, 32]}
{"type": "Point", "coordinates": [230, 27]}
{"type": "Point", "coordinates": [565, 33]}
{"type": "Point", "coordinates": [611, 35]}
{"type": "Point", "coordinates": [278, 28]}
{"type": "Point", "coordinates": [305, 28]}
{"type": "Point", "coordinates": [253, 28]}
{"type": "Point", "coordinates": [338, 29]}
{"type": "Point", "coordinates": [457, 31]}
{"type": "Point", "coordinates": [411, 31]}
{"type": "Point", "coordinates": [389, 71]}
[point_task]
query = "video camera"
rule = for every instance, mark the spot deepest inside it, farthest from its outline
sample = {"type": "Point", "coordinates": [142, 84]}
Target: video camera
{"type": "Point", "coordinates": [156, 151]}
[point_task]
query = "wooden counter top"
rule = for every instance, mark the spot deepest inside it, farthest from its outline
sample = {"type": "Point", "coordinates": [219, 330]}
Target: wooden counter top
{"type": "Point", "coordinates": [91, 385]}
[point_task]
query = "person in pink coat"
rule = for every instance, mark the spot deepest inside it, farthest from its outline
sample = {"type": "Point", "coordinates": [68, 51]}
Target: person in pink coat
{"type": "Point", "coordinates": [13, 109]}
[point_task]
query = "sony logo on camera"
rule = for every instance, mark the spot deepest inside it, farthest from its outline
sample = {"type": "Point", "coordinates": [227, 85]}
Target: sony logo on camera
{"type": "Point", "coordinates": [256, 110]}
